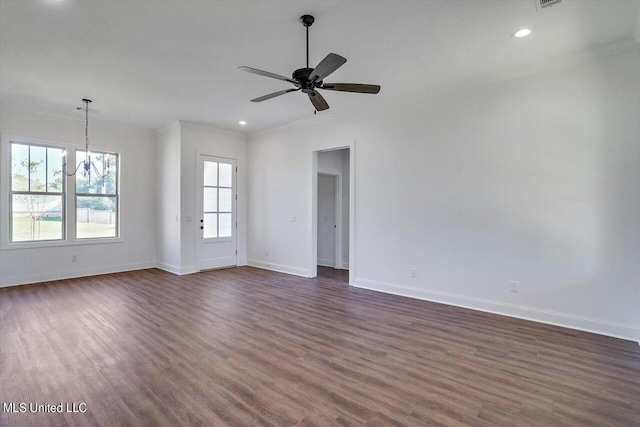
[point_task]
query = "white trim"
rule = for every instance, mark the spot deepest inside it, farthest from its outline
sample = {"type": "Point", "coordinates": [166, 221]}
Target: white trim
{"type": "Point", "coordinates": [352, 213]}
{"type": "Point", "coordinates": [345, 265]}
{"type": "Point", "coordinates": [617, 330]}
{"type": "Point", "coordinates": [79, 117]}
{"type": "Point", "coordinates": [188, 269]}
{"type": "Point", "coordinates": [265, 265]}
{"type": "Point", "coordinates": [61, 275]}
{"type": "Point", "coordinates": [559, 61]}
{"type": "Point", "coordinates": [175, 269]}
{"type": "Point", "coordinates": [210, 128]}
{"type": "Point", "coordinates": [327, 262]}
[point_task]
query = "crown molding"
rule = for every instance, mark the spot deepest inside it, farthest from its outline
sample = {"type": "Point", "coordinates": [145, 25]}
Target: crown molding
{"type": "Point", "coordinates": [79, 119]}
{"type": "Point", "coordinates": [210, 128]}
{"type": "Point", "coordinates": [590, 54]}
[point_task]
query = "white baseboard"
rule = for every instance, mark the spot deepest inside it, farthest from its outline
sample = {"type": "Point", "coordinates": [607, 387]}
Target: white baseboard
{"type": "Point", "coordinates": [189, 269]}
{"type": "Point", "coordinates": [71, 274]}
{"type": "Point", "coordinates": [266, 265]}
{"type": "Point", "coordinates": [617, 330]}
{"type": "Point", "coordinates": [176, 269]}
{"type": "Point", "coordinates": [345, 265]}
{"type": "Point", "coordinates": [326, 262]}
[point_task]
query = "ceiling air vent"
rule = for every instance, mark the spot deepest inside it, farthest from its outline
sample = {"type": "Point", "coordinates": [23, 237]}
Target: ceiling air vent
{"type": "Point", "coordinates": [545, 3]}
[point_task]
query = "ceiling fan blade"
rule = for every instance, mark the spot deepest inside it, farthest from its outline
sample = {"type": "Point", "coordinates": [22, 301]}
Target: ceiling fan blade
{"type": "Point", "coordinates": [266, 74]}
{"type": "Point", "coordinates": [318, 101]}
{"type": "Point", "coordinates": [351, 87]}
{"type": "Point", "coordinates": [273, 95]}
{"type": "Point", "coordinates": [328, 65]}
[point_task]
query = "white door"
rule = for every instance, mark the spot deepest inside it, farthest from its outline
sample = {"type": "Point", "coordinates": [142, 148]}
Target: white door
{"type": "Point", "coordinates": [216, 203]}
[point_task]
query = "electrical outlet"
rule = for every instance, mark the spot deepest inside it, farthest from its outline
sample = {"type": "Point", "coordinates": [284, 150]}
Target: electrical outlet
{"type": "Point", "coordinates": [293, 218]}
{"type": "Point", "coordinates": [515, 287]}
{"type": "Point", "coordinates": [74, 258]}
{"type": "Point", "coordinates": [414, 272]}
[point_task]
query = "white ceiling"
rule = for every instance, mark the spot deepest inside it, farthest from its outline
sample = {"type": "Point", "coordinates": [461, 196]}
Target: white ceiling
{"type": "Point", "coordinates": [147, 63]}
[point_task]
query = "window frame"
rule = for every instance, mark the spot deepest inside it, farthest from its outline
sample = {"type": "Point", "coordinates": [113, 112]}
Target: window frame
{"type": "Point", "coordinates": [11, 193]}
{"type": "Point", "coordinates": [115, 196]}
{"type": "Point", "coordinates": [70, 238]}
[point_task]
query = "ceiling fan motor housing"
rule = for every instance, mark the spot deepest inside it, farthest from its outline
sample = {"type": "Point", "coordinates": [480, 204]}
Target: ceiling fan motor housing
{"type": "Point", "coordinates": [301, 75]}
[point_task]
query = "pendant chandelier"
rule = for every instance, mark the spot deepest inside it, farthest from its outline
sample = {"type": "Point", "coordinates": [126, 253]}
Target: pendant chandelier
{"type": "Point", "coordinates": [87, 164]}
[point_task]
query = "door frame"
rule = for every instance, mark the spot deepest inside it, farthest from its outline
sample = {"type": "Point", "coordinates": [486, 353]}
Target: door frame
{"type": "Point", "coordinates": [200, 158]}
{"type": "Point", "coordinates": [313, 214]}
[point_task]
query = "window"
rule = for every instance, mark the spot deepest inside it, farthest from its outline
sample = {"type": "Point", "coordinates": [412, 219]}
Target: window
{"type": "Point", "coordinates": [37, 193]}
{"type": "Point", "coordinates": [97, 196]}
{"type": "Point", "coordinates": [217, 200]}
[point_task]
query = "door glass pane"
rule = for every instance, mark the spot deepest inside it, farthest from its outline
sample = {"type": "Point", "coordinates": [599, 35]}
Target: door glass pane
{"type": "Point", "coordinates": [210, 224]}
{"type": "Point", "coordinates": [36, 217]}
{"type": "Point", "coordinates": [225, 200]}
{"type": "Point", "coordinates": [210, 199]}
{"type": "Point", "coordinates": [54, 170]}
{"type": "Point", "coordinates": [38, 168]}
{"type": "Point", "coordinates": [19, 168]}
{"type": "Point", "coordinates": [225, 175]}
{"type": "Point", "coordinates": [210, 174]}
{"type": "Point", "coordinates": [225, 225]}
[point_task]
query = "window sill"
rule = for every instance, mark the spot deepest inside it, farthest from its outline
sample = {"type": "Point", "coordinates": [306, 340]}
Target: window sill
{"type": "Point", "coordinates": [53, 244]}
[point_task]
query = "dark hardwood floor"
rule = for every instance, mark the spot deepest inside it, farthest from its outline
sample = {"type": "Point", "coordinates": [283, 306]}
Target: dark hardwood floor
{"type": "Point", "coordinates": [250, 347]}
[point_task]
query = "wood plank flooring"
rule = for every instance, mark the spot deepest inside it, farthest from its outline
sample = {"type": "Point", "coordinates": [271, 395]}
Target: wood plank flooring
{"type": "Point", "coordinates": [249, 347]}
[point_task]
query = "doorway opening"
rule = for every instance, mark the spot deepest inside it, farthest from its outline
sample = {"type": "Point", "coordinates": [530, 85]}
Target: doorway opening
{"type": "Point", "coordinates": [333, 214]}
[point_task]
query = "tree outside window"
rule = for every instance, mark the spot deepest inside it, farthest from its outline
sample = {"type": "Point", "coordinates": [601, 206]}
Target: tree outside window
{"type": "Point", "coordinates": [37, 191]}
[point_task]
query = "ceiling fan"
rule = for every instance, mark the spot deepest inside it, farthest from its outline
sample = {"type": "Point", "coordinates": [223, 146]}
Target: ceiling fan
{"type": "Point", "coordinates": [309, 80]}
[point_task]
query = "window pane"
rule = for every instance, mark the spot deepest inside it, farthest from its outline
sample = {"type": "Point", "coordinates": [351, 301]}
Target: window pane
{"type": "Point", "coordinates": [210, 200]}
{"type": "Point", "coordinates": [225, 225]}
{"type": "Point", "coordinates": [38, 168]}
{"type": "Point", "coordinates": [19, 169]}
{"type": "Point", "coordinates": [225, 175]}
{"type": "Point", "coordinates": [95, 217]}
{"type": "Point", "coordinates": [36, 217]}
{"type": "Point", "coordinates": [54, 170]}
{"type": "Point", "coordinates": [210, 225]}
{"type": "Point", "coordinates": [90, 183]}
{"type": "Point", "coordinates": [210, 174]}
{"type": "Point", "coordinates": [225, 200]}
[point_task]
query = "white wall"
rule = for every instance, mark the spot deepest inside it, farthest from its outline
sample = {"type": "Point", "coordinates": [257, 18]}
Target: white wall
{"type": "Point", "coordinates": [168, 193]}
{"type": "Point", "coordinates": [137, 201]}
{"type": "Point", "coordinates": [534, 180]}
{"type": "Point", "coordinates": [199, 139]}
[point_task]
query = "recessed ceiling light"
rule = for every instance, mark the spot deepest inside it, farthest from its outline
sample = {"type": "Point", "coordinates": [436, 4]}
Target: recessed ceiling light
{"type": "Point", "coordinates": [522, 33]}
{"type": "Point", "coordinates": [242, 123]}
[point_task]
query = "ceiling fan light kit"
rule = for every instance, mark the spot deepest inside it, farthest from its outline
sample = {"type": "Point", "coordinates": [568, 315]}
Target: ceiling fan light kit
{"type": "Point", "coordinates": [309, 80]}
